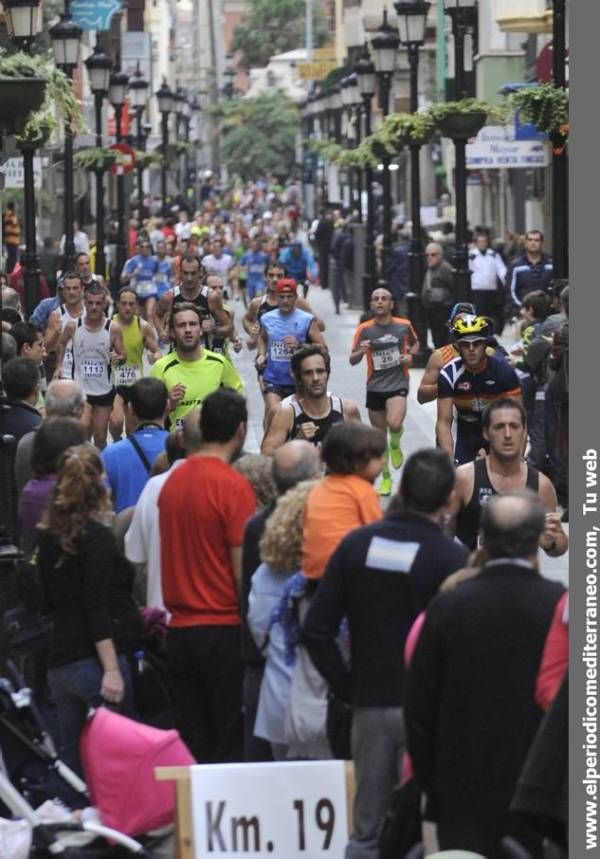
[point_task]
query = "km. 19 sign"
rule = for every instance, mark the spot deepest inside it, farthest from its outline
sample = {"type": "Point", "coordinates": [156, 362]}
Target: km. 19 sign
{"type": "Point", "coordinates": [295, 809]}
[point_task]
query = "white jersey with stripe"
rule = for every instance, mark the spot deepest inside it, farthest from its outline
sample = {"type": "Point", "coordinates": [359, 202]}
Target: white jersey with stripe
{"type": "Point", "coordinates": [91, 359]}
{"type": "Point", "coordinates": [65, 318]}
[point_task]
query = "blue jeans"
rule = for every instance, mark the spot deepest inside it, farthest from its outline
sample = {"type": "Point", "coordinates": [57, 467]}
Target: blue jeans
{"type": "Point", "coordinates": [75, 688]}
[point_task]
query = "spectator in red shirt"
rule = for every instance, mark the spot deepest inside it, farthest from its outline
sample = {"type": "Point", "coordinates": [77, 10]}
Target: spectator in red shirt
{"type": "Point", "coordinates": [203, 508]}
{"type": "Point", "coordinates": [16, 281]}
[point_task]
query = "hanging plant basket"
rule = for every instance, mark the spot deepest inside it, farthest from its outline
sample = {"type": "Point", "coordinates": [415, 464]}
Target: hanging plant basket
{"type": "Point", "coordinates": [380, 150]}
{"type": "Point", "coordinates": [19, 97]}
{"type": "Point", "coordinates": [407, 129]}
{"type": "Point", "coordinates": [461, 126]}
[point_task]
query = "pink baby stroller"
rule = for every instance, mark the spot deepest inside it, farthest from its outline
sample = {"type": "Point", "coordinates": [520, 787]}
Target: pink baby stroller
{"type": "Point", "coordinates": [119, 757]}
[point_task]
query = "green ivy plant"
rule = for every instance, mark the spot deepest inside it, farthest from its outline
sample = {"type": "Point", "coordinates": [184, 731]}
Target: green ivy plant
{"type": "Point", "coordinates": [443, 109]}
{"type": "Point", "coordinates": [96, 157]}
{"type": "Point", "coordinates": [149, 159]}
{"type": "Point", "coordinates": [181, 148]}
{"type": "Point", "coordinates": [546, 106]}
{"type": "Point", "coordinates": [404, 129]}
{"type": "Point", "coordinates": [59, 98]}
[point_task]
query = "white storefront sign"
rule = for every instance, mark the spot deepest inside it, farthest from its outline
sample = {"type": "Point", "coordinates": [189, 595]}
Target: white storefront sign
{"type": "Point", "coordinates": [292, 809]}
{"type": "Point", "coordinates": [14, 176]}
{"type": "Point", "coordinates": [495, 147]}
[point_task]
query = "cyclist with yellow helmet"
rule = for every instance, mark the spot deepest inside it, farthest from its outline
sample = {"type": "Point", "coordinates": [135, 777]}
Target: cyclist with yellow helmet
{"type": "Point", "coordinates": [466, 385]}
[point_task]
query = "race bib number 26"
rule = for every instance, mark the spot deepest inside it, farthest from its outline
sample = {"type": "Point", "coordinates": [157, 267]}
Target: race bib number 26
{"type": "Point", "coordinates": [383, 359]}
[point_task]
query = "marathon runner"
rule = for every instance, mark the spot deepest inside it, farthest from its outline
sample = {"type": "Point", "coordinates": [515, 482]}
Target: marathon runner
{"type": "Point", "coordinates": [164, 275]}
{"type": "Point", "coordinates": [468, 384]}
{"type": "Point", "coordinates": [313, 410]}
{"type": "Point", "coordinates": [389, 342]}
{"type": "Point", "coordinates": [71, 309]}
{"type": "Point", "coordinates": [137, 335]}
{"type": "Point", "coordinates": [282, 331]}
{"type": "Point", "coordinates": [220, 345]}
{"type": "Point", "coordinates": [502, 471]}
{"type": "Point", "coordinates": [192, 290]}
{"type": "Point", "coordinates": [427, 391]}
{"type": "Point", "coordinates": [267, 302]}
{"type": "Point", "coordinates": [191, 372]}
{"type": "Point", "coordinates": [96, 345]}
{"type": "Point", "coordinates": [140, 271]}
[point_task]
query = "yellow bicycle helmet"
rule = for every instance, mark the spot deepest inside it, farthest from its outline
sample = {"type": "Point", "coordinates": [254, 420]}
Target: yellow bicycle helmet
{"type": "Point", "coordinates": [470, 328]}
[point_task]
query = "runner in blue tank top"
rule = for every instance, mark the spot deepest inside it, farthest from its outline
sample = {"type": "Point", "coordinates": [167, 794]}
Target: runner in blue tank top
{"type": "Point", "coordinates": [281, 332]}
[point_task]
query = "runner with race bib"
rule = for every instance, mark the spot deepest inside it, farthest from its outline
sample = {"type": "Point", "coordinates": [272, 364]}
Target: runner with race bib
{"type": "Point", "coordinates": [282, 331]}
{"type": "Point", "coordinates": [389, 342]}
{"type": "Point", "coordinates": [96, 345]}
{"type": "Point", "coordinates": [137, 335]}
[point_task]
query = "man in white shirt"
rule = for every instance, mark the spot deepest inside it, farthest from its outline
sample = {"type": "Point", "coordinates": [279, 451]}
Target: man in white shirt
{"type": "Point", "coordinates": [183, 229]}
{"type": "Point", "coordinates": [143, 538]}
{"type": "Point", "coordinates": [487, 268]}
{"type": "Point", "coordinates": [218, 262]}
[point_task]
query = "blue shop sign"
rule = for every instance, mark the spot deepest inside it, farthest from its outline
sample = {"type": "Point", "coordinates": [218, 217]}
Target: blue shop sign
{"type": "Point", "coordinates": [94, 14]}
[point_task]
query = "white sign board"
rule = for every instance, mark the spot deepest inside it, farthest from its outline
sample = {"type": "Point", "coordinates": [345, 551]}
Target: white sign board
{"type": "Point", "coordinates": [14, 175]}
{"type": "Point", "coordinates": [495, 147]}
{"type": "Point", "coordinates": [295, 809]}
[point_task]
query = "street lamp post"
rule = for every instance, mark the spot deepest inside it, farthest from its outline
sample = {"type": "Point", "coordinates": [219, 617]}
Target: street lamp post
{"type": "Point", "coordinates": [138, 96]}
{"type": "Point", "coordinates": [178, 109]}
{"type": "Point", "coordinates": [117, 94]}
{"type": "Point", "coordinates": [365, 74]}
{"type": "Point", "coordinates": [355, 108]}
{"type": "Point", "coordinates": [385, 46]}
{"type": "Point", "coordinates": [65, 35]}
{"type": "Point", "coordinates": [164, 97]}
{"type": "Point", "coordinates": [462, 13]}
{"type": "Point", "coordinates": [23, 23]}
{"type": "Point", "coordinates": [412, 21]}
{"type": "Point", "coordinates": [99, 65]}
{"type": "Point", "coordinates": [560, 187]}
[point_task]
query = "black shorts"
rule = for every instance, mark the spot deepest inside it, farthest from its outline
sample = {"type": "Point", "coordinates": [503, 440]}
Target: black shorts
{"type": "Point", "coordinates": [101, 399]}
{"type": "Point", "coordinates": [376, 400]}
{"type": "Point", "coordinates": [124, 391]}
{"type": "Point", "coordinates": [282, 391]}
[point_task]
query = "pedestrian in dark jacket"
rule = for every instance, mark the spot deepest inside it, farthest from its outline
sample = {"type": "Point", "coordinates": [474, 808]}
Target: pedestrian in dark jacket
{"type": "Point", "coordinates": [470, 703]}
{"type": "Point", "coordinates": [530, 271]}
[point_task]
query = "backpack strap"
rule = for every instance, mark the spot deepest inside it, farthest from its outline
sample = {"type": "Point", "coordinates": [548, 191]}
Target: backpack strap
{"type": "Point", "coordinates": [140, 452]}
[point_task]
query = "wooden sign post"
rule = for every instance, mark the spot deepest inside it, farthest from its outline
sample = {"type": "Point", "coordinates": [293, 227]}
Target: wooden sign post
{"type": "Point", "coordinates": [293, 809]}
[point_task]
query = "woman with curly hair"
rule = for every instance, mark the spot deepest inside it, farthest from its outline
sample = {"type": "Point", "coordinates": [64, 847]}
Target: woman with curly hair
{"type": "Point", "coordinates": [85, 587]}
{"type": "Point", "coordinates": [281, 554]}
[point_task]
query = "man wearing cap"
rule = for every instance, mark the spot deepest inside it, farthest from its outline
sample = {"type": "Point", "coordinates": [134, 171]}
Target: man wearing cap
{"type": "Point", "coordinates": [467, 384]}
{"type": "Point", "coordinates": [299, 263]}
{"type": "Point", "coordinates": [282, 331]}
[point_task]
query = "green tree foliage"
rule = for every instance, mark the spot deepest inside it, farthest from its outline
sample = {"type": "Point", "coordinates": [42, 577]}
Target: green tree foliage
{"type": "Point", "coordinates": [258, 135]}
{"type": "Point", "coordinates": [274, 26]}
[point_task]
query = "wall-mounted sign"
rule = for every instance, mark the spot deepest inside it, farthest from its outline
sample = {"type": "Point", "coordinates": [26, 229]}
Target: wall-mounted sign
{"type": "Point", "coordinates": [495, 147]}
{"type": "Point", "coordinates": [94, 14]}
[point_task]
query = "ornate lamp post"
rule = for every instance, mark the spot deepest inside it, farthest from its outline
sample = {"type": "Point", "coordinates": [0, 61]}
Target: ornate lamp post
{"type": "Point", "coordinates": [165, 99]}
{"type": "Point", "coordinates": [138, 96]}
{"type": "Point", "coordinates": [412, 21]}
{"type": "Point", "coordinates": [117, 95]}
{"type": "Point", "coordinates": [462, 13]}
{"type": "Point", "coordinates": [66, 35]}
{"type": "Point", "coordinates": [385, 47]}
{"type": "Point", "coordinates": [23, 21]}
{"type": "Point", "coordinates": [99, 65]}
{"type": "Point", "coordinates": [365, 74]}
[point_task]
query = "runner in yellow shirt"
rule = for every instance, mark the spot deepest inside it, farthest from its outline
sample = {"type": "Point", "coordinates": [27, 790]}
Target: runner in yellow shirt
{"type": "Point", "coordinates": [191, 372]}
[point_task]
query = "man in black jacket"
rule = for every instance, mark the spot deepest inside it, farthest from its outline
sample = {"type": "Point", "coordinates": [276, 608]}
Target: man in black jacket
{"type": "Point", "coordinates": [381, 577]}
{"type": "Point", "coordinates": [531, 271]}
{"type": "Point", "coordinates": [470, 704]}
{"type": "Point", "coordinates": [323, 236]}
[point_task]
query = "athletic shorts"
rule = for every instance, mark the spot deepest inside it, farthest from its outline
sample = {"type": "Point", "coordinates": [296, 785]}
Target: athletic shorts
{"type": "Point", "coordinates": [101, 399]}
{"type": "Point", "coordinates": [376, 400]}
{"type": "Point", "coordinates": [143, 298]}
{"type": "Point", "coordinates": [124, 391]}
{"type": "Point", "coordinates": [469, 440]}
{"type": "Point", "coordinates": [282, 391]}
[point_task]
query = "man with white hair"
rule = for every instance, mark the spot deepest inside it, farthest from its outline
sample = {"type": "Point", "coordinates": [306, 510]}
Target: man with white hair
{"type": "Point", "coordinates": [64, 399]}
{"type": "Point", "coordinates": [437, 293]}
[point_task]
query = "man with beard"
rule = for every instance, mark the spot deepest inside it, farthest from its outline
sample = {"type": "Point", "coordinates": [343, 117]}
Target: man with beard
{"type": "Point", "coordinates": [313, 410]}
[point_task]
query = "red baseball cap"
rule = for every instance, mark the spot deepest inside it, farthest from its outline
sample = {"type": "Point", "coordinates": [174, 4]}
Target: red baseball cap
{"type": "Point", "coordinates": [286, 284]}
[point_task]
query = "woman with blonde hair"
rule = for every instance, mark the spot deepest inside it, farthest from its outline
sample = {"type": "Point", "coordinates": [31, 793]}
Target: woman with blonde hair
{"type": "Point", "coordinates": [87, 591]}
{"type": "Point", "coordinates": [281, 554]}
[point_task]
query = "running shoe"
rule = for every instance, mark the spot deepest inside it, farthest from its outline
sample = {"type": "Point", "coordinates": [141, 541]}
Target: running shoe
{"type": "Point", "coordinates": [396, 456]}
{"type": "Point", "coordinates": [385, 486]}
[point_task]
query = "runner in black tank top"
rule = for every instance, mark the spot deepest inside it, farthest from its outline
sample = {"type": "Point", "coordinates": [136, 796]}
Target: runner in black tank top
{"type": "Point", "coordinates": [335, 416]}
{"type": "Point", "coordinates": [467, 521]}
